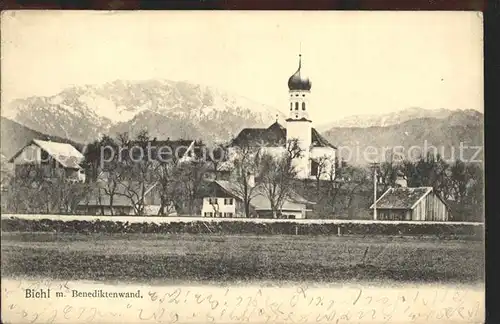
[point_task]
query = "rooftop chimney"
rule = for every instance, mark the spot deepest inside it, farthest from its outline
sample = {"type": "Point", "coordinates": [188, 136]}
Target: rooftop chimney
{"type": "Point", "coordinates": [400, 180]}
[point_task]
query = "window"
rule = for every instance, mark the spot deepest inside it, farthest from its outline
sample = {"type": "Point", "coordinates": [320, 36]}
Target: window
{"type": "Point", "coordinates": [291, 105]}
{"type": "Point", "coordinates": [228, 201]}
{"type": "Point", "coordinates": [212, 201]}
{"type": "Point", "coordinates": [205, 214]}
{"type": "Point", "coordinates": [303, 106]}
{"type": "Point", "coordinates": [44, 156]}
{"type": "Point", "coordinates": [296, 106]}
{"type": "Point", "coordinates": [314, 168]}
{"type": "Point", "coordinates": [229, 215]}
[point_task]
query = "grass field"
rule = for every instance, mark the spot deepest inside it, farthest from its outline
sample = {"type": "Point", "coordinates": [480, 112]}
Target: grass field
{"type": "Point", "coordinates": [211, 258]}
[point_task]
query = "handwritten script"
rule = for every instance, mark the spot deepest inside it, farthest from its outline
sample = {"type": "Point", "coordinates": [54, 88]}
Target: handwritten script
{"type": "Point", "coordinates": [241, 304]}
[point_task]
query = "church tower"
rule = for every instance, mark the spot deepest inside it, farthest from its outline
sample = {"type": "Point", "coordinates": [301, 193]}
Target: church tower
{"type": "Point", "coordinates": [298, 124]}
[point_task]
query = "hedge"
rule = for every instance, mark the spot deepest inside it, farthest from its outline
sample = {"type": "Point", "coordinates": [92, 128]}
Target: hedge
{"type": "Point", "coordinates": [444, 230]}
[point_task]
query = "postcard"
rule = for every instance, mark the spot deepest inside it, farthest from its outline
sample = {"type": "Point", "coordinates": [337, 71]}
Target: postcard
{"type": "Point", "coordinates": [242, 167]}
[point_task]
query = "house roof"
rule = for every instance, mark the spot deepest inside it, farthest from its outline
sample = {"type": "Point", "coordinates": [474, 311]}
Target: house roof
{"type": "Point", "coordinates": [402, 198]}
{"type": "Point", "coordinates": [66, 154]}
{"type": "Point", "coordinates": [98, 196]}
{"type": "Point", "coordinates": [274, 135]}
{"type": "Point", "coordinates": [165, 150]}
{"type": "Point", "coordinates": [259, 200]}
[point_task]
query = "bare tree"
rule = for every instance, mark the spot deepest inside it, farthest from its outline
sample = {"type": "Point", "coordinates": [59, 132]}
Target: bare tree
{"type": "Point", "coordinates": [245, 165]}
{"type": "Point", "coordinates": [104, 168]}
{"type": "Point", "coordinates": [189, 177]}
{"type": "Point", "coordinates": [70, 194]}
{"type": "Point", "coordinates": [136, 168]}
{"type": "Point", "coordinates": [431, 171]}
{"type": "Point", "coordinates": [324, 168]}
{"type": "Point", "coordinates": [26, 192]}
{"type": "Point", "coordinates": [277, 174]}
{"type": "Point", "coordinates": [357, 178]}
{"type": "Point", "coordinates": [167, 185]}
{"type": "Point", "coordinates": [31, 191]}
{"type": "Point", "coordinates": [386, 175]}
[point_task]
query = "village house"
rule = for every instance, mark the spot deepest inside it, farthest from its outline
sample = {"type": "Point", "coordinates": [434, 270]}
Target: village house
{"type": "Point", "coordinates": [227, 201]}
{"type": "Point", "coordinates": [318, 155]}
{"type": "Point", "coordinates": [411, 204]}
{"type": "Point", "coordinates": [123, 200]}
{"type": "Point", "coordinates": [49, 160]}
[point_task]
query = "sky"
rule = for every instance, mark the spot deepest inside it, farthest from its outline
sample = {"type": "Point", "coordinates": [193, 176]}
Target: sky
{"type": "Point", "coordinates": [358, 62]}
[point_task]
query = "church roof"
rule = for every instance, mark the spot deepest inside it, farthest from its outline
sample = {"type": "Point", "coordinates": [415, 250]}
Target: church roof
{"type": "Point", "coordinates": [274, 135]}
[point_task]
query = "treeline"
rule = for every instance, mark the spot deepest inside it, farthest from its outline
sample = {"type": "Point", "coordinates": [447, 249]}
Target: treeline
{"type": "Point", "coordinates": [132, 168]}
{"type": "Point", "coordinates": [349, 193]}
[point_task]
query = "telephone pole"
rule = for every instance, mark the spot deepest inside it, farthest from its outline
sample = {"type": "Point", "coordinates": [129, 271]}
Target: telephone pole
{"type": "Point", "coordinates": [374, 166]}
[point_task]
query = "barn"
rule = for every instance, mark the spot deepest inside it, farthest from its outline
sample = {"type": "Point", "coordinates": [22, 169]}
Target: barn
{"type": "Point", "coordinates": [411, 204]}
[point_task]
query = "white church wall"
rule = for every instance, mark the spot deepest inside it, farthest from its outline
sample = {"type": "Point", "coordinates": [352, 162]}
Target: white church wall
{"type": "Point", "coordinates": [327, 153]}
{"type": "Point", "coordinates": [318, 152]}
{"type": "Point", "coordinates": [301, 131]}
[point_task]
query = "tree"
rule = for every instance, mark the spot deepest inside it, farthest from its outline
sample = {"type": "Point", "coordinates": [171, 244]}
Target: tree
{"type": "Point", "coordinates": [136, 167]}
{"type": "Point", "coordinates": [189, 181]}
{"type": "Point", "coordinates": [467, 189]}
{"type": "Point", "coordinates": [459, 180]}
{"type": "Point", "coordinates": [386, 175]}
{"type": "Point", "coordinates": [104, 168]}
{"type": "Point", "coordinates": [32, 192]}
{"type": "Point", "coordinates": [245, 165]}
{"type": "Point", "coordinates": [6, 173]}
{"type": "Point", "coordinates": [277, 175]}
{"type": "Point", "coordinates": [25, 193]}
{"type": "Point", "coordinates": [357, 178]}
{"type": "Point", "coordinates": [167, 185]}
{"type": "Point", "coordinates": [428, 171]}
{"type": "Point", "coordinates": [325, 166]}
{"type": "Point", "coordinates": [217, 156]}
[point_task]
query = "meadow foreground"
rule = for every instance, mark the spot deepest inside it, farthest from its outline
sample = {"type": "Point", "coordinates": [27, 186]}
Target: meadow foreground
{"type": "Point", "coordinates": [168, 258]}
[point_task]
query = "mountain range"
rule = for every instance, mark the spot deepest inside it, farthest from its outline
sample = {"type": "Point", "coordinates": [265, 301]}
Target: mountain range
{"type": "Point", "coordinates": [388, 119]}
{"type": "Point", "coordinates": [165, 108]}
{"type": "Point", "coordinates": [461, 130]}
{"type": "Point", "coordinates": [171, 109]}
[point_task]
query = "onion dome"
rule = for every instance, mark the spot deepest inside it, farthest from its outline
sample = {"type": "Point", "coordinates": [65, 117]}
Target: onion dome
{"type": "Point", "coordinates": [298, 81]}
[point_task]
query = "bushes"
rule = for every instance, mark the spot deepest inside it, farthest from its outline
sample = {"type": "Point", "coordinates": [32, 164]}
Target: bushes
{"type": "Point", "coordinates": [233, 227]}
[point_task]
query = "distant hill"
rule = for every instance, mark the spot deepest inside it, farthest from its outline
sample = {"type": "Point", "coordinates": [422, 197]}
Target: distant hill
{"type": "Point", "coordinates": [412, 137]}
{"type": "Point", "coordinates": [388, 119]}
{"type": "Point", "coordinates": [14, 136]}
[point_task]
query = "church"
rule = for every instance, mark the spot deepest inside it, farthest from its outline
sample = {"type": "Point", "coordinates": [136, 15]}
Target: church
{"type": "Point", "coordinates": [318, 155]}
